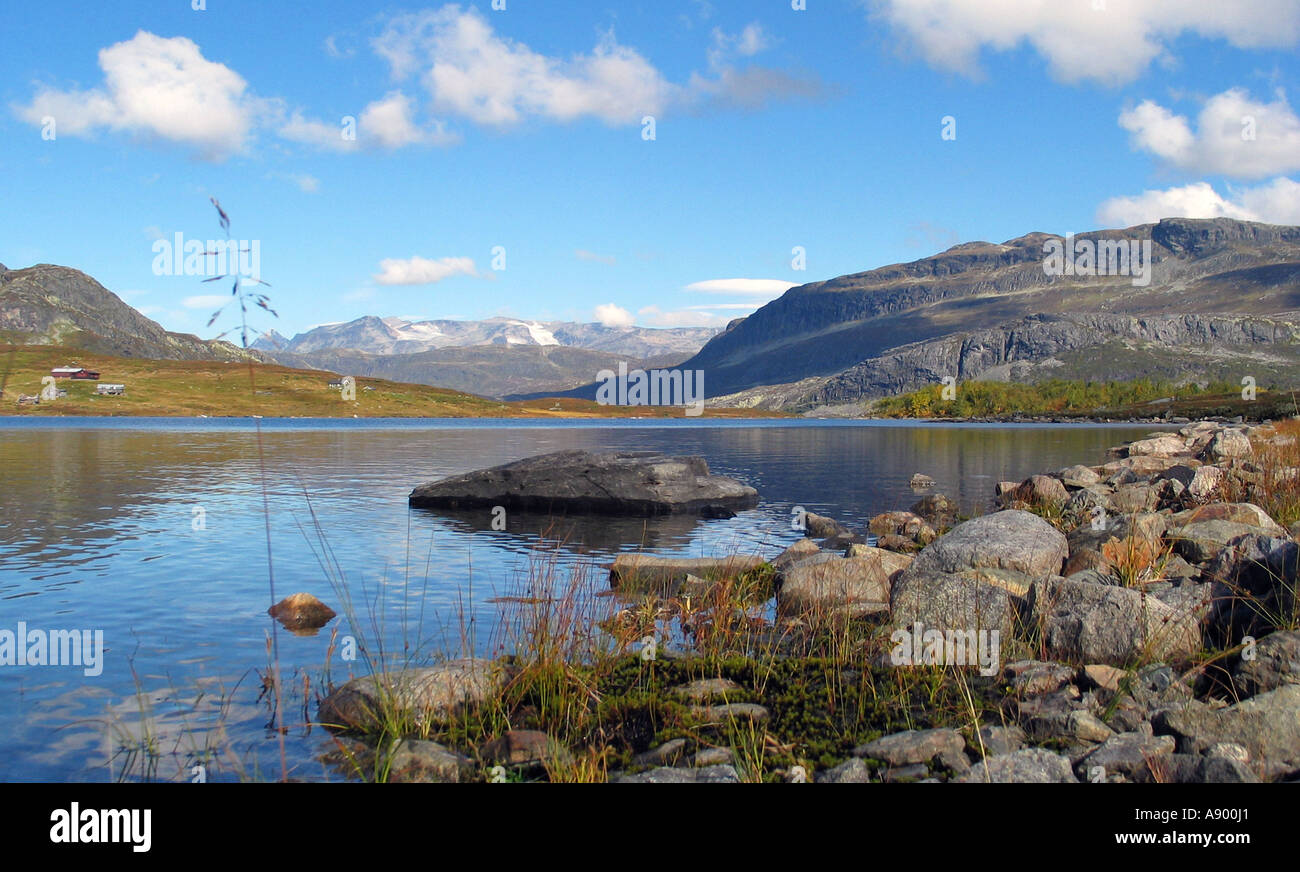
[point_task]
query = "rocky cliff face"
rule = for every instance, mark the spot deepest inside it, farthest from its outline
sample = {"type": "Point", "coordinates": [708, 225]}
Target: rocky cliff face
{"type": "Point", "coordinates": [57, 305]}
{"type": "Point", "coordinates": [1207, 267]}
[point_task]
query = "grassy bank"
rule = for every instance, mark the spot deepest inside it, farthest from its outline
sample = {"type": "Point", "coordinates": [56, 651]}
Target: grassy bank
{"type": "Point", "coordinates": [1141, 398]}
{"type": "Point", "coordinates": [189, 388]}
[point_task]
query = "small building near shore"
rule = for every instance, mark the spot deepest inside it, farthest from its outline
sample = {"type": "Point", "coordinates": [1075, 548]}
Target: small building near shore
{"type": "Point", "coordinates": [74, 371]}
{"type": "Point", "coordinates": [111, 390]}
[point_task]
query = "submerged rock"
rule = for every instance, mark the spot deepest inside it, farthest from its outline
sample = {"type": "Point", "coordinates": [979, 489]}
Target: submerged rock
{"type": "Point", "coordinates": [301, 612]}
{"type": "Point", "coordinates": [641, 483]}
{"type": "Point", "coordinates": [674, 575]}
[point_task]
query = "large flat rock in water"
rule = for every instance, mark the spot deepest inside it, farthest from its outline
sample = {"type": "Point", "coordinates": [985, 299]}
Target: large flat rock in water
{"type": "Point", "coordinates": [615, 483]}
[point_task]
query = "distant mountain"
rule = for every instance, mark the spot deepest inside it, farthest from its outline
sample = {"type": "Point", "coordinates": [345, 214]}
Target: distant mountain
{"type": "Point", "coordinates": [500, 371]}
{"type": "Point", "coordinates": [57, 305]}
{"type": "Point", "coordinates": [818, 330]}
{"type": "Point", "coordinates": [374, 335]}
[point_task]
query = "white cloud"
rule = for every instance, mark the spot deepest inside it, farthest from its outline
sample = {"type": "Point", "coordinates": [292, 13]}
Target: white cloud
{"type": "Point", "coordinates": [726, 47]}
{"type": "Point", "coordinates": [389, 124]}
{"type": "Point", "coordinates": [1234, 136]}
{"type": "Point", "coordinates": [1111, 44]}
{"type": "Point", "coordinates": [583, 254]}
{"type": "Point", "coordinates": [1277, 202]}
{"type": "Point", "coordinates": [307, 184]}
{"type": "Point", "coordinates": [205, 301]}
{"type": "Point", "coordinates": [612, 315]}
{"type": "Point", "coordinates": [310, 131]}
{"type": "Point", "coordinates": [422, 271]}
{"type": "Point", "coordinates": [161, 88]}
{"type": "Point", "coordinates": [471, 71]}
{"type": "Point", "coordinates": [655, 317]}
{"type": "Point", "coordinates": [757, 287]}
{"type": "Point", "coordinates": [384, 123]}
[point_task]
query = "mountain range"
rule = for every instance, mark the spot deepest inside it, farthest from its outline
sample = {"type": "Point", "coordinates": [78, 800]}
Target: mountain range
{"type": "Point", "coordinates": [1221, 300]}
{"type": "Point", "coordinates": [1217, 299]}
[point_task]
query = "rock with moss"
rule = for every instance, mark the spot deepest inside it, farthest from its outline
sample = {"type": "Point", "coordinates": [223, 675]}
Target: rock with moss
{"type": "Point", "coordinates": [408, 698]}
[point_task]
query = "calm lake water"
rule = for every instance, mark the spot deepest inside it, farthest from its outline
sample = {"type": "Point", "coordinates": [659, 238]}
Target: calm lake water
{"type": "Point", "coordinates": [153, 532]}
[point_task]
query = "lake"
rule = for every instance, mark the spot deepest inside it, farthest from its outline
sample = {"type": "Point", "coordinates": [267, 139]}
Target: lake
{"type": "Point", "coordinates": [154, 531]}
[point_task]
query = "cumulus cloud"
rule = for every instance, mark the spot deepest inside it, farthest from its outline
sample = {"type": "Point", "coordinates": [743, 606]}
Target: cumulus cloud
{"type": "Point", "coordinates": [1277, 202]}
{"type": "Point", "coordinates": [159, 88]}
{"type": "Point", "coordinates": [472, 72]}
{"type": "Point", "coordinates": [422, 271]}
{"type": "Point", "coordinates": [385, 123]}
{"type": "Point", "coordinates": [1111, 42]}
{"type": "Point", "coordinates": [612, 315]}
{"type": "Point", "coordinates": [1234, 135]}
{"type": "Point", "coordinates": [583, 254]}
{"type": "Point", "coordinates": [756, 287]}
{"type": "Point", "coordinates": [389, 123]}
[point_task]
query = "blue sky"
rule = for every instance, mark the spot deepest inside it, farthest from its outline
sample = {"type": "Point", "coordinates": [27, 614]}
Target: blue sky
{"type": "Point", "coordinates": [522, 130]}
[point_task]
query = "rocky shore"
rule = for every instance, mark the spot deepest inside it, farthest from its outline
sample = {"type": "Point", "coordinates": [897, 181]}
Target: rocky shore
{"type": "Point", "coordinates": [1131, 621]}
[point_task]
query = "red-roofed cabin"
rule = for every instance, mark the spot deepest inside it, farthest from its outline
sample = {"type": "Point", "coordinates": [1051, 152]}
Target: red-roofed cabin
{"type": "Point", "coordinates": [74, 372]}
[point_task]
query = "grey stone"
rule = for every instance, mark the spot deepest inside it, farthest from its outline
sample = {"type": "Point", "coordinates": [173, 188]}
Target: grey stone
{"type": "Point", "coordinates": [1107, 624]}
{"type": "Point", "coordinates": [671, 775]}
{"type": "Point", "coordinates": [1276, 663]}
{"type": "Point", "coordinates": [1267, 725]}
{"type": "Point", "coordinates": [912, 746]}
{"type": "Point", "coordinates": [856, 585]}
{"type": "Point", "coordinates": [1028, 766]}
{"type": "Point", "coordinates": [424, 694]}
{"type": "Point", "coordinates": [1010, 539]}
{"type": "Point", "coordinates": [640, 483]}
{"type": "Point", "coordinates": [851, 771]}
{"type": "Point", "coordinates": [1127, 754]}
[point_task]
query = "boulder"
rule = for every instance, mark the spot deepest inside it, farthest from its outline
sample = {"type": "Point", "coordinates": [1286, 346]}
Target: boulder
{"type": "Point", "coordinates": [800, 551]}
{"type": "Point", "coordinates": [921, 481]}
{"type": "Point", "coordinates": [1206, 483]}
{"type": "Point", "coordinates": [821, 527]}
{"type": "Point", "coordinates": [421, 695]}
{"type": "Point", "coordinates": [640, 483]}
{"type": "Point", "coordinates": [1096, 623]}
{"type": "Point", "coordinates": [854, 586]}
{"type": "Point", "coordinates": [1136, 756]}
{"type": "Point", "coordinates": [913, 746]}
{"type": "Point", "coordinates": [1042, 490]}
{"type": "Point", "coordinates": [1228, 444]}
{"type": "Point", "coordinates": [1078, 476]}
{"type": "Point", "coordinates": [947, 601]}
{"type": "Point", "coordinates": [1274, 662]}
{"type": "Point", "coordinates": [1028, 766]}
{"type": "Point", "coordinates": [1010, 539]}
{"type": "Point", "coordinates": [994, 741]}
{"type": "Point", "coordinates": [1162, 445]}
{"type": "Point", "coordinates": [1267, 726]}
{"type": "Point", "coordinates": [1201, 541]}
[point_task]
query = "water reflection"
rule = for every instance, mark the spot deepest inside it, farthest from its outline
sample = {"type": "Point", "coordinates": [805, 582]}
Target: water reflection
{"type": "Point", "coordinates": [99, 529]}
